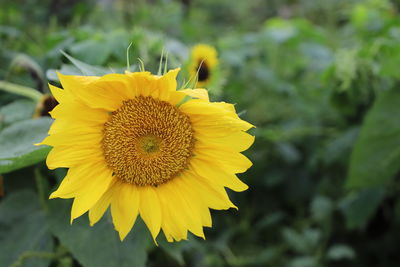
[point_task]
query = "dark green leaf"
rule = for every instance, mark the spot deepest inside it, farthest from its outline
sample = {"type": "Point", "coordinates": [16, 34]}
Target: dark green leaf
{"type": "Point", "coordinates": [98, 245]}
{"type": "Point", "coordinates": [24, 235]}
{"type": "Point", "coordinates": [359, 207]}
{"type": "Point", "coordinates": [17, 149]}
{"type": "Point", "coordinates": [16, 111]}
{"type": "Point", "coordinates": [376, 155]}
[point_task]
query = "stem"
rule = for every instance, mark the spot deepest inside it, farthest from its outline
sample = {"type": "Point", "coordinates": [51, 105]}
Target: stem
{"type": "Point", "coordinates": [21, 90]}
{"type": "Point", "coordinates": [128, 65]}
{"type": "Point", "coordinates": [42, 187]}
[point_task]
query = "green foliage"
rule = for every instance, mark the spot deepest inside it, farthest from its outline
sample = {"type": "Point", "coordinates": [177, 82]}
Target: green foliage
{"type": "Point", "coordinates": [107, 250]}
{"type": "Point", "coordinates": [376, 154]}
{"type": "Point", "coordinates": [24, 232]}
{"type": "Point", "coordinates": [17, 144]}
{"type": "Point", "coordinates": [319, 79]}
{"type": "Point", "coordinates": [354, 209]}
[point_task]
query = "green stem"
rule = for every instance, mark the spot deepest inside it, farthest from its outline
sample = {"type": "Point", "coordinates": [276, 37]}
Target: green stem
{"type": "Point", "coordinates": [21, 90]}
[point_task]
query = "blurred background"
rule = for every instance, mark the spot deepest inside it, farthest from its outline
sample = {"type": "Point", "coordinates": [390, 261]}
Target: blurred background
{"type": "Point", "coordinates": [319, 79]}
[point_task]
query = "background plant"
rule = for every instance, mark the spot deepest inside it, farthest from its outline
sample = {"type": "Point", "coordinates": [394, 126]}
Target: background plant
{"type": "Point", "coordinates": [319, 79]}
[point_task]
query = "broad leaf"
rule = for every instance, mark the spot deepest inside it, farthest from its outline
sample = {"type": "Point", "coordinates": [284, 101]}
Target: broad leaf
{"type": "Point", "coordinates": [86, 68]}
{"type": "Point", "coordinates": [98, 245]}
{"type": "Point", "coordinates": [359, 207]}
{"type": "Point", "coordinates": [376, 155]}
{"type": "Point", "coordinates": [17, 149]}
{"type": "Point", "coordinates": [91, 51]}
{"type": "Point", "coordinates": [24, 231]}
{"type": "Point", "coordinates": [16, 111]}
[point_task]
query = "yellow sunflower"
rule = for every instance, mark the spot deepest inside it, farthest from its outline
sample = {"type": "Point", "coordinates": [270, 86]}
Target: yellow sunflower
{"type": "Point", "coordinates": [133, 142]}
{"type": "Point", "coordinates": [203, 62]}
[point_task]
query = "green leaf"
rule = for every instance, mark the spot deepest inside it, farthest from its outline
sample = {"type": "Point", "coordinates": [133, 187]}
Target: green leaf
{"type": "Point", "coordinates": [98, 245]}
{"type": "Point", "coordinates": [303, 242]}
{"type": "Point", "coordinates": [91, 51]}
{"type": "Point", "coordinates": [24, 235]}
{"type": "Point", "coordinates": [339, 252]}
{"type": "Point", "coordinates": [376, 155]}
{"type": "Point", "coordinates": [321, 208]}
{"type": "Point", "coordinates": [304, 261]}
{"type": "Point", "coordinates": [86, 68]}
{"type": "Point", "coordinates": [17, 149]}
{"type": "Point", "coordinates": [22, 61]}
{"type": "Point", "coordinates": [16, 111]}
{"type": "Point", "coordinates": [359, 207]}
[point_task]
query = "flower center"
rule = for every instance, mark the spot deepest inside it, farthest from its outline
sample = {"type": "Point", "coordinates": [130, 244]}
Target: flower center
{"type": "Point", "coordinates": [203, 71]}
{"type": "Point", "coordinates": [150, 144]}
{"type": "Point", "coordinates": [147, 141]}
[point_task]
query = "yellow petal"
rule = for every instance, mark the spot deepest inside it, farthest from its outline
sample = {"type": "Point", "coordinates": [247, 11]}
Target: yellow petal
{"type": "Point", "coordinates": [73, 83]}
{"type": "Point", "coordinates": [150, 210]}
{"type": "Point", "coordinates": [71, 125]}
{"type": "Point", "coordinates": [233, 162]}
{"type": "Point", "coordinates": [168, 80]}
{"type": "Point", "coordinates": [183, 209]}
{"type": "Point", "coordinates": [103, 95]}
{"type": "Point", "coordinates": [124, 207]}
{"type": "Point", "coordinates": [214, 196]}
{"type": "Point", "coordinates": [58, 93]}
{"type": "Point", "coordinates": [74, 110]}
{"type": "Point", "coordinates": [97, 211]}
{"type": "Point", "coordinates": [214, 174]}
{"type": "Point", "coordinates": [65, 157]}
{"type": "Point", "coordinates": [173, 228]}
{"type": "Point", "coordinates": [237, 141]}
{"type": "Point", "coordinates": [77, 140]}
{"type": "Point", "coordinates": [100, 181]}
{"type": "Point", "coordinates": [198, 106]}
{"type": "Point", "coordinates": [176, 97]}
{"type": "Point", "coordinates": [197, 93]}
{"type": "Point", "coordinates": [195, 201]}
{"type": "Point", "coordinates": [78, 179]}
{"type": "Point", "coordinates": [73, 182]}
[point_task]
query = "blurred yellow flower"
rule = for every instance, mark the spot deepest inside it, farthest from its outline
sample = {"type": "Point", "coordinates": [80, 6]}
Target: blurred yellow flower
{"type": "Point", "coordinates": [133, 142]}
{"type": "Point", "coordinates": [203, 61]}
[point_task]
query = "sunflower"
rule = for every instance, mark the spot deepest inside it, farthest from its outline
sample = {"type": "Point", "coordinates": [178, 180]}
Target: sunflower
{"type": "Point", "coordinates": [203, 62]}
{"type": "Point", "coordinates": [133, 142]}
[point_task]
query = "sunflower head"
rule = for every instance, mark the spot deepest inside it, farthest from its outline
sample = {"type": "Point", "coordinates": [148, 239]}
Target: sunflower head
{"type": "Point", "coordinates": [203, 62]}
{"type": "Point", "coordinates": [133, 143]}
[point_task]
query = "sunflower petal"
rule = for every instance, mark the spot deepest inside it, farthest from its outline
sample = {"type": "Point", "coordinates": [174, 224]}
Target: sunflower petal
{"type": "Point", "coordinates": [150, 210]}
{"type": "Point", "coordinates": [100, 181]}
{"type": "Point", "coordinates": [98, 210]}
{"type": "Point", "coordinates": [197, 93]}
{"type": "Point", "coordinates": [213, 174]}
{"type": "Point", "coordinates": [124, 207]}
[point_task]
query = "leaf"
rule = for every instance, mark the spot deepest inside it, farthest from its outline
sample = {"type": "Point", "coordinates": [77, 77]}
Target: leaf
{"type": "Point", "coordinates": [21, 61]}
{"type": "Point", "coordinates": [23, 229]}
{"type": "Point", "coordinates": [17, 141]}
{"type": "Point", "coordinates": [91, 51]}
{"type": "Point", "coordinates": [376, 155]}
{"type": "Point", "coordinates": [86, 68]}
{"type": "Point", "coordinates": [174, 250]}
{"type": "Point", "coordinates": [303, 242]}
{"type": "Point", "coordinates": [358, 207]}
{"type": "Point", "coordinates": [339, 252]}
{"type": "Point", "coordinates": [321, 208]}
{"type": "Point", "coordinates": [98, 245]}
{"type": "Point", "coordinates": [16, 111]}
{"type": "Point", "coordinates": [304, 261]}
